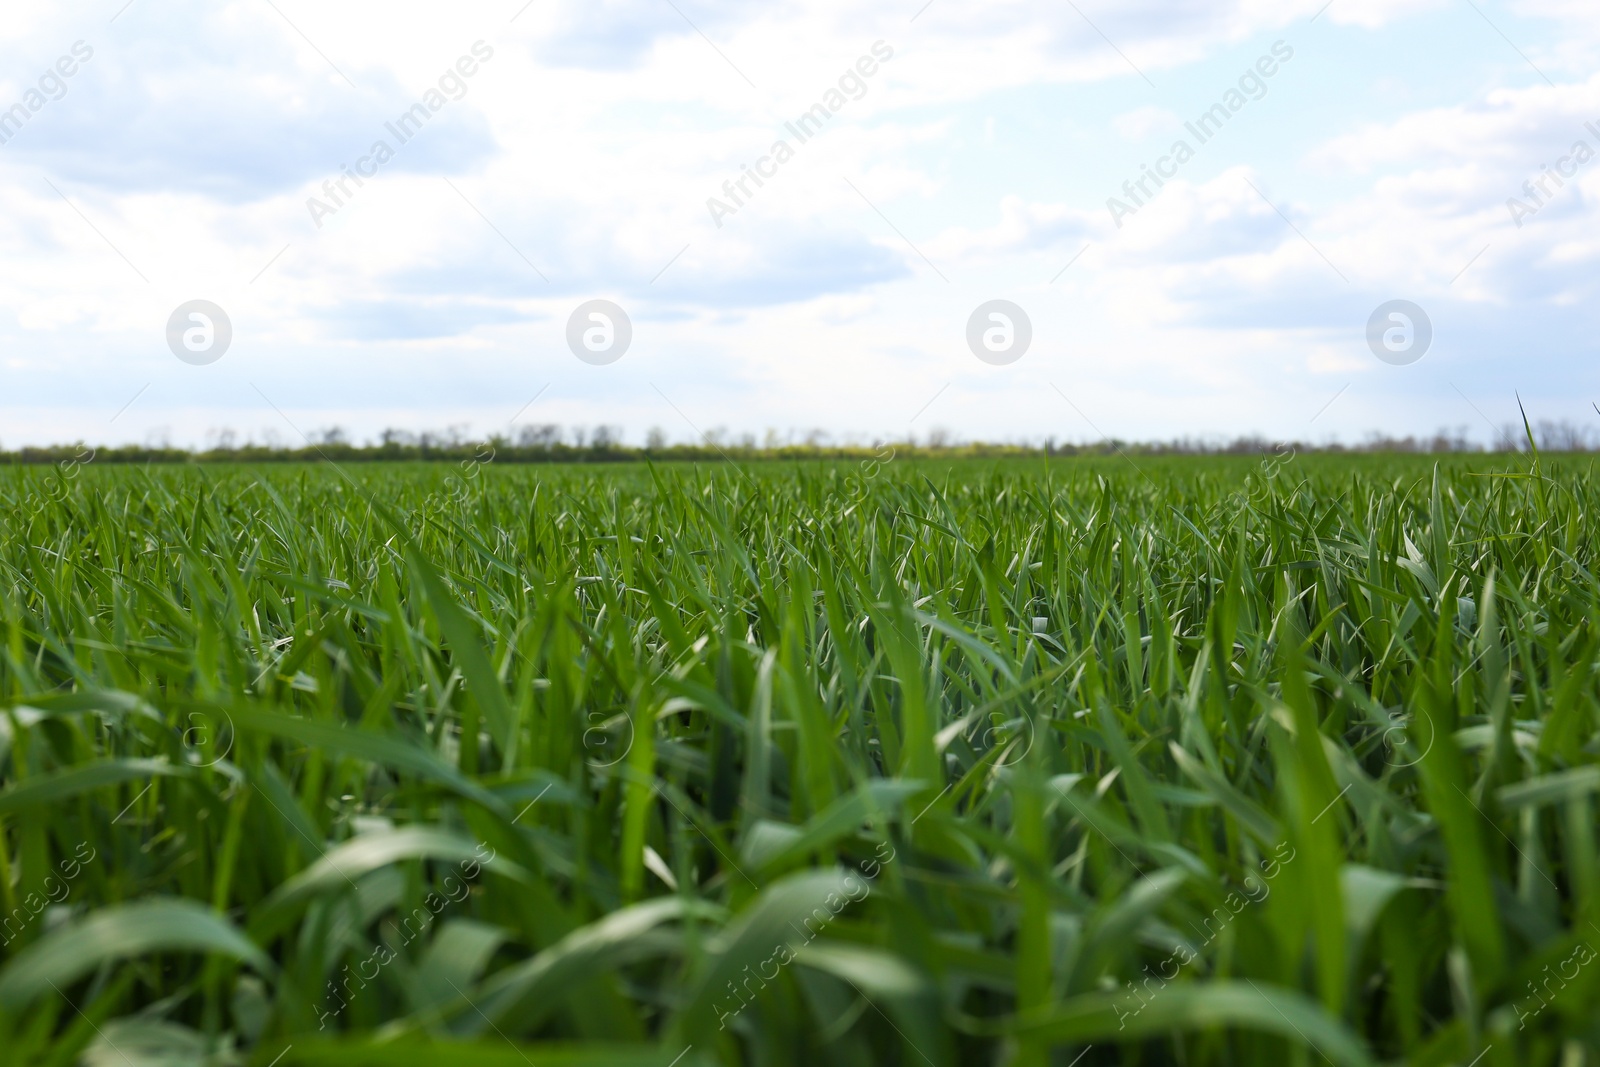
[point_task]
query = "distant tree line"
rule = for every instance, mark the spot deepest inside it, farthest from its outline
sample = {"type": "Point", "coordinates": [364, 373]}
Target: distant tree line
{"type": "Point", "coordinates": [550, 443]}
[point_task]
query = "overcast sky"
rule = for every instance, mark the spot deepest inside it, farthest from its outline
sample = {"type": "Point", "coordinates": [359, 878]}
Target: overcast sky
{"type": "Point", "coordinates": [169, 151]}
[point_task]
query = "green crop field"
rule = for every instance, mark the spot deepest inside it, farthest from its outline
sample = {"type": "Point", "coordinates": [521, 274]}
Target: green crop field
{"type": "Point", "coordinates": [1147, 760]}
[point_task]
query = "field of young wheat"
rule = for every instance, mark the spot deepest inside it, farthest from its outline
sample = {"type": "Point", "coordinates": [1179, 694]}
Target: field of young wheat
{"type": "Point", "coordinates": [1167, 761]}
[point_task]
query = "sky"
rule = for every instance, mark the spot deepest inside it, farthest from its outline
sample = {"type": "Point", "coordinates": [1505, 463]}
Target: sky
{"type": "Point", "coordinates": [401, 215]}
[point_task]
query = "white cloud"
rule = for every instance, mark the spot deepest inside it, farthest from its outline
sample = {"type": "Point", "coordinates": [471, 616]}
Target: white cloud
{"type": "Point", "coordinates": [1376, 14]}
{"type": "Point", "coordinates": [1141, 122]}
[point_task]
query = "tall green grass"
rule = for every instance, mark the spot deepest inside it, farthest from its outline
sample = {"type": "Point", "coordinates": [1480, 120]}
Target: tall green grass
{"type": "Point", "coordinates": [1191, 762]}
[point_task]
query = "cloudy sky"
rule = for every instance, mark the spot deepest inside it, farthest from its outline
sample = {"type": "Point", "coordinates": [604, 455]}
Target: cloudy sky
{"type": "Point", "coordinates": [159, 152]}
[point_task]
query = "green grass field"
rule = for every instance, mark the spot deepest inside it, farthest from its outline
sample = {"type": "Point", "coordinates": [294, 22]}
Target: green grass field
{"type": "Point", "coordinates": [1194, 761]}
